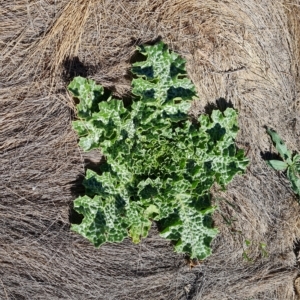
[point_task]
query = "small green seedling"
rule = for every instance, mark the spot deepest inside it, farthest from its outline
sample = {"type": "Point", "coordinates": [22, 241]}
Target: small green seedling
{"type": "Point", "coordinates": [244, 254]}
{"type": "Point", "coordinates": [290, 163]}
{"type": "Point", "coordinates": [263, 247]}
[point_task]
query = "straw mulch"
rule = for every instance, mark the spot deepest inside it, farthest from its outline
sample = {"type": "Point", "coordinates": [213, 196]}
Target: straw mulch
{"type": "Point", "coordinates": [245, 52]}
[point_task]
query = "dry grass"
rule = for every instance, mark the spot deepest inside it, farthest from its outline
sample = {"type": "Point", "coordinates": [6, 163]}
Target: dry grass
{"type": "Point", "coordinates": [246, 52]}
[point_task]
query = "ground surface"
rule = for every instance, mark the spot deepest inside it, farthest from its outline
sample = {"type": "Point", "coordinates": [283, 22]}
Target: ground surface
{"type": "Point", "coordinates": [246, 52]}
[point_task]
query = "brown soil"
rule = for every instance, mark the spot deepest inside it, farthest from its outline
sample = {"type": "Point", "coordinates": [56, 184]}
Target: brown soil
{"type": "Point", "coordinates": [246, 52]}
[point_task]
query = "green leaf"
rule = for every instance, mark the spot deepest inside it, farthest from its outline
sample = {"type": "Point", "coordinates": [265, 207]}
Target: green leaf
{"type": "Point", "coordinates": [102, 220]}
{"type": "Point", "coordinates": [161, 83]}
{"type": "Point", "coordinates": [278, 165]}
{"type": "Point", "coordinates": [248, 243]}
{"type": "Point", "coordinates": [296, 159]}
{"type": "Point", "coordinates": [138, 221]}
{"type": "Point", "coordinates": [296, 162]}
{"type": "Point", "coordinates": [294, 179]}
{"type": "Point", "coordinates": [89, 94]}
{"type": "Point", "coordinates": [151, 211]}
{"type": "Point", "coordinates": [263, 247]}
{"type": "Point", "coordinates": [280, 146]}
{"type": "Point", "coordinates": [105, 127]}
{"type": "Point", "coordinates": [193, 231]}
{"type": "Point", "coordinates": [223, 161]}
{"type": "Point", "coordinates": [246, 257]}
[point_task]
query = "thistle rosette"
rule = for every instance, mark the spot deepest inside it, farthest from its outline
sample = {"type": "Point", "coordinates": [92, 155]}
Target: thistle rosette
{"type": "Point", "coordinates": [159, 165]}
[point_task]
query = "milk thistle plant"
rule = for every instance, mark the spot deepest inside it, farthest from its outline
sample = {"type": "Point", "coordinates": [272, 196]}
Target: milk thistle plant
{"type": "Point", "coordinates": [159, 165]}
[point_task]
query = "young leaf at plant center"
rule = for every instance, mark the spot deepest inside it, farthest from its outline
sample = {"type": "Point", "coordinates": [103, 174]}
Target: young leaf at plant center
{"type": "Point", "coordinates": [159, 165]}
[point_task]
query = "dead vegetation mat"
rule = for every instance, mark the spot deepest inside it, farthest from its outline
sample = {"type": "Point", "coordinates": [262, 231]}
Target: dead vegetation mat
{"type": "Point", "coordinates": [245, 52]}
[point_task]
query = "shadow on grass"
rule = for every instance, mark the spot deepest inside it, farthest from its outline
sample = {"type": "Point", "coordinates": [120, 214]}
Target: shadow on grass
{"type": "Point", "coordinates": [221, 104]}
